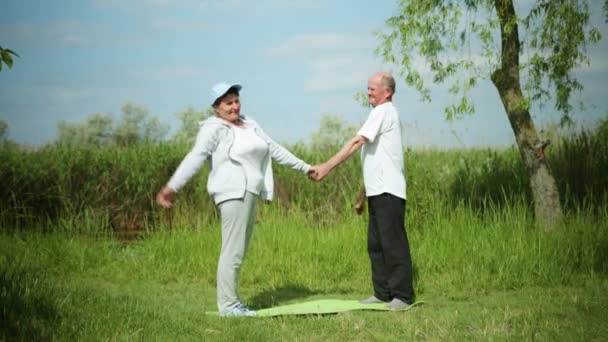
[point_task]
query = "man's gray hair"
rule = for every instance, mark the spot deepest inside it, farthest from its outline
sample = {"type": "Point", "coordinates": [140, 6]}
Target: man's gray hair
{"type": "Point", "coordinates": [388, 81]}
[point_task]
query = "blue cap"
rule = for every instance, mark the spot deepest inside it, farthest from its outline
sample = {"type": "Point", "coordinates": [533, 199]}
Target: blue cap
{"type": "Point", "coordinates": [220, 89]}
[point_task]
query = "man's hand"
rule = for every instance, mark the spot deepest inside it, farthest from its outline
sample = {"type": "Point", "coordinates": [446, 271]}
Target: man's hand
{"type": "Point", "coordinates": [320, 171]}
{"type": "Point", "coordinates": [165, 197]}
{"type": "Point", "coordinates": [360, 204]}
{"type": "Point", "coordinates": [359, 207]}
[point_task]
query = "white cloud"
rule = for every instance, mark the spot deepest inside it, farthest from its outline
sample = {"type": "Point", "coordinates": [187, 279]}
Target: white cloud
{"type": "Point", "coordinates": [328, 41]}
{"type": "Point", "coordinates": [265, 5]}
{"type": "Point", "coordinates": [340, 72]}
{"type": "Point", "coordinates": [56, 34]}
{"type": "Point", "coordinates": [69, 34]}
{"type": "Point", "coordinates": [168, 73]}
{"type": "Point", "coordinates": [344, 105]}
{"type": "Point", "coordinates": [336, 61]}
{"type": "Point", "coordinates": [172, 24]}
{"type": "Point", "coordinates": [142, 4]}
{"type": "Point", "coordinates": [339, 61]}
{"type": "Point", "coordinates": [259, 7]}
{"type": "Point", "coordinates": [64, 95]}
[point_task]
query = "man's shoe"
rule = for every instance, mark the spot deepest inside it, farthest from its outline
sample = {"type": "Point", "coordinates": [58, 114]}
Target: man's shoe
{"type": "Point", "coordinates": [238, 311]}
{"type": "Point", "coordinates": [397, 304]}
{"type": "Point", "coordinates": [371, 300]}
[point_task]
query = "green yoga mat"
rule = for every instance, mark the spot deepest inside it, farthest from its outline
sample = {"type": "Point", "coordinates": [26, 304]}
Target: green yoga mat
{"type": "Point", "coordinates": [321, 307]}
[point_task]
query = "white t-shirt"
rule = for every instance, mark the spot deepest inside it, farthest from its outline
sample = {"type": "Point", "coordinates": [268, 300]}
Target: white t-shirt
{"type": "Point", "coordinates": [382, 155]}
{"type": "Point", "coordinates": [251, 151]}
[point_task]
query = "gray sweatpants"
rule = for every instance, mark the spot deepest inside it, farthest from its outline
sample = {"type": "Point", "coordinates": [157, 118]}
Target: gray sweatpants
{"type": "Point", "coordinates": [238, 217]}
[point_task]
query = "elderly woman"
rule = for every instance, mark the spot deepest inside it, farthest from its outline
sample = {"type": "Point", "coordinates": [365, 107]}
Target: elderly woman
{"type": "Point", "coordinates": [240, 158]}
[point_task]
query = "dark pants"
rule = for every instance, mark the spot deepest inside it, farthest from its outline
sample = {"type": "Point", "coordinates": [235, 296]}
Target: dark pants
{"type": "Point", "coordinates": [389, 249]}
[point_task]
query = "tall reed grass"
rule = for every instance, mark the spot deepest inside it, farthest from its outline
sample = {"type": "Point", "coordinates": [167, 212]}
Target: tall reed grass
{"type": "Point", "coordinates": [117, 185]}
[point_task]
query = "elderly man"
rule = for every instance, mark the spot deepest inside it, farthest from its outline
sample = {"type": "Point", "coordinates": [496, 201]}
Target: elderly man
{"type": "Point", "coordinates": [384, 180]}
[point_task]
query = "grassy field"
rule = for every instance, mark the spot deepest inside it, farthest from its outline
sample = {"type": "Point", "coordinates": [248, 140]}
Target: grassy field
{"type": "Point", "coordinates": [490, 277]}
{"type": "Point", "coordinates": [484, 270]}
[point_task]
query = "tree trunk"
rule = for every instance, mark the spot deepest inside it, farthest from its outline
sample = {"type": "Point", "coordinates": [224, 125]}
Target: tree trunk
{"type": "Point", "coordinates": [547, 207]}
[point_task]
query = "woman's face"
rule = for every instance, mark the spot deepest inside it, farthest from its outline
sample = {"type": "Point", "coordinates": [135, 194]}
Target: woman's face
{"type": "Point", "coordinates": [229, 108]}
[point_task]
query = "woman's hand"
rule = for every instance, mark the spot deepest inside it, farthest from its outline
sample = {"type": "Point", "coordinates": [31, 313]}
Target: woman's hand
{"type": "Point", "coordinates": [318, 172]}
{"type": "Point", "coordinates": [165, 197]}
{"type": "Point", "coordinates": [312, 172]}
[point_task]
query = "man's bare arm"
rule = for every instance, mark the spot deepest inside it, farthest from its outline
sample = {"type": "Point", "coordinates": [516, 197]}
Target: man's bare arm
{"type": "Point", "coordinates": [346, 152]}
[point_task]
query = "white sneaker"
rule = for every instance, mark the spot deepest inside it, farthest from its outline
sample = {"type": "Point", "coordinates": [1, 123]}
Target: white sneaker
{"type": "Point", "coordinates": [238, 311]}
{"type": "Point", "coordinates": [371, 300]}
{"type": "Point", "coordinates": [397, 304]}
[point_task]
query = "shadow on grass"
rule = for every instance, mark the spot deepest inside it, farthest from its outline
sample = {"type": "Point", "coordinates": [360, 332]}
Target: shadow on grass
{"type": "Point", "coordinates": [276, 296]}
{"type": "Point", "coordinates": [28, 311]}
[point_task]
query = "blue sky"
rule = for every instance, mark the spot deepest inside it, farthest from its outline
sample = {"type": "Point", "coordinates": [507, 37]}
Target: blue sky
{"type": "Point", "coordinates": [296, 59]}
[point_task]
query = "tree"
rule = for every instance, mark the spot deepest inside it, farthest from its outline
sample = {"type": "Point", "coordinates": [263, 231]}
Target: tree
{"type": "Point", "coordinates": [3, 131]}
{"type": "Point", "coordinates": [189, 127]}
{"type": "Point", "coordinates": [135, 126]}
{"type": "Point", "coordinates": [70, 134]}
{"type": "Point", "coordinates": [334, 131]}
{"type": "Point", "coordinates": [456, 40]}
{"type": "Point", "coordinates": [99, 129]}
{"type": "Point", "coordinates": [96, 131]}
{"type": "Point", "coordinates": [6, 58]}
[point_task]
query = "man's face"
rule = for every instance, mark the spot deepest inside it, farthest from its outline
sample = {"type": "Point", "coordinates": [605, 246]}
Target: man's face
{"type": "Point", "coordinates": [377, 94]}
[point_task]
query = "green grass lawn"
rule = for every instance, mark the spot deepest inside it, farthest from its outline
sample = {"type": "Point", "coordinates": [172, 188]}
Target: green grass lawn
{"type": "Point", "coordinates": [97, 310]}
{"type": "Point", "coordinates": [481, 278]}
{"type": "Point", "coordinates": [483, 268]}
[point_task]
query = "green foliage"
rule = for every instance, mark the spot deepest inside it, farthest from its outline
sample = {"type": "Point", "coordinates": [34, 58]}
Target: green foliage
{"type": "Point", "coordinates": [481, 277]}
{"type": "Point", "coordinates": [334, 131]}
{"type": "Point", "coordinates": [579, 166]}
{"type": "Point", "coordinates": [6, 57]}
{"type": "Point", "coordinates": [488, 179]}
{"type": "Point", "coordinates": [96, 131]}
{"type": "Point", "coordinates": [557, 40]}
{"type": "Point", "coordinates": [28, 310]}
{"type": "Point", "coordinates": [468, 221]}
{"type": "Point", "coordinates": [455, 41]}
{"type": "Point", "coordinates": [116, 186]}
{"type": "Point", "coordinates": [361, 98]}
{"type": "Point", "coordinates": [3, 131]}
{"type": "Point", "coordinates": [189, 124]}
{"type": "Point", "coordinates": [482, 179]}
{"type": "Point", "coordinates": [436, 35]}
{"type": "Point", "coordinates": [135, 127]}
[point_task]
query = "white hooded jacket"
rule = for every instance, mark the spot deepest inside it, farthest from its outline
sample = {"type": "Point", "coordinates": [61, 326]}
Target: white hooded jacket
{"type": "Point", "coordinates": [227, 178]}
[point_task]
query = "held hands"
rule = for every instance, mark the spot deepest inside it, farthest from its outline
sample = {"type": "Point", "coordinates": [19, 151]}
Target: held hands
{"type": "Point", "coordinates": [318, 172]}
{"type": "Point", "coordinates": [165, 197]}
